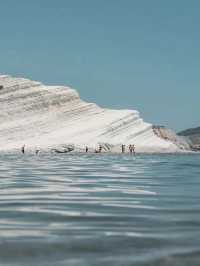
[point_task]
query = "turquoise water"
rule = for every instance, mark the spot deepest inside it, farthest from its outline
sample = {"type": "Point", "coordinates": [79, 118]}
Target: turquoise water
{"type": "Point", "coordinates": [99, 210]}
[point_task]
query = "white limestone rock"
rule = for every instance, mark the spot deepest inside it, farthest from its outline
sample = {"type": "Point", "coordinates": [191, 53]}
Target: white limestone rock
{"type": "Point", "coordinates": [48, 116]}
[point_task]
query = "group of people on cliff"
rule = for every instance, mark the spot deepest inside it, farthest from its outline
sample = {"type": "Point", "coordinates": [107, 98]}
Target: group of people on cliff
{"type": "Point", "coordinates": [23, 150]}
{"type": "Point", "coordinates": [131, 148]}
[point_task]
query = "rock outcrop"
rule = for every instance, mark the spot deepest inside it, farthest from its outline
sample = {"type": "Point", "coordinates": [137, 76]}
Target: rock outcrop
{"type": "Point", "coordinates": [48, 116]}
{"type": "Point", "coordinates": [168, 134]}
{"type": "Point", "coordinates": [192, 136]}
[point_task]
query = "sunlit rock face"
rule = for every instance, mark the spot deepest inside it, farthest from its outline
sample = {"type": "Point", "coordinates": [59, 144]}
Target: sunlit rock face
{"type": "Point", "coordinates": [47, 116]}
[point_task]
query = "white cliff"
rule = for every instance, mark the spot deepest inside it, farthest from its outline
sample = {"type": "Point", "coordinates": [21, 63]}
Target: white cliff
{"type": "Point", "coordinates": [48, 116]}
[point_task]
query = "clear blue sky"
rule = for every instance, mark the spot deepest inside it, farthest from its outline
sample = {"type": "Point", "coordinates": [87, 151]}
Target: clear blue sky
{"type": "Point", "coordinates": [137, 54]}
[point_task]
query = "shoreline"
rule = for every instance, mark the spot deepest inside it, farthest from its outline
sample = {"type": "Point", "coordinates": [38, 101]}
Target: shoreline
{"type": "Point", "coordinates": [81, 153]}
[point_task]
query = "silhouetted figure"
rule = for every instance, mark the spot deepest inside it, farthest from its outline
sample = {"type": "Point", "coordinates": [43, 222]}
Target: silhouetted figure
{"type": "Point", "coordinates": [100, 148]}
{"type": "Point", "coordinates": [86, 149]}
{"type": "Point", "coordinates": [123, 148]}
{"type": "Point", "coordinates": [37, 151]}
{"type": "Point", "coordinates": [23, 149]}
{"type": "Point", "coordinates": [132, 149]}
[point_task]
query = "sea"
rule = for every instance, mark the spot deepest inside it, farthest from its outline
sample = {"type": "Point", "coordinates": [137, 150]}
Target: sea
{"type": "Point", "coordinates": [96, 209]}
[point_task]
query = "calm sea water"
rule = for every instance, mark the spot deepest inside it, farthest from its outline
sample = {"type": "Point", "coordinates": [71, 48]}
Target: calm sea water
{"type": "Point", "coordinates": [99, 210]}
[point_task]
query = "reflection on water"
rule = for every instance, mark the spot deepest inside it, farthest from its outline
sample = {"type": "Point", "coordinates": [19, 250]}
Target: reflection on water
{"type": "Point", "coordinates": [99, 209]}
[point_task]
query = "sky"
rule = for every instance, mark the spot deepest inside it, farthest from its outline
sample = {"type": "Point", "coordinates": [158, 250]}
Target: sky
{"type": "Point", "coordinates": [129, 54]}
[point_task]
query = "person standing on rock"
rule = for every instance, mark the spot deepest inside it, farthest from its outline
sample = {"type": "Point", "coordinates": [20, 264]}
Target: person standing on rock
{"type": "Point", "coordinates": [100, 148]}
{"type": "Point", "coordinates": [123, 148]}
{"type": "Point", "coordinates": [133, 149]}
{"type": "Point", "coordinates": [23, 149]}
{"type": "Point", "coordinates": [130, 148]}
{"type": "Point", "coordinates": [37, 151]}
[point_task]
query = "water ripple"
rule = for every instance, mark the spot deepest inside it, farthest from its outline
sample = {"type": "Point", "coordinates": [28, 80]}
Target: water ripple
{"type": "Point", "coordinates": [98, 209]}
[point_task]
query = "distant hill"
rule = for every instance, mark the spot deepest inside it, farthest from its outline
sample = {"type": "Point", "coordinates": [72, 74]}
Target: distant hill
{"type": "Point", "coordinates": [190, 131]}
{"type": "Point", "coordinates": [193, 135]}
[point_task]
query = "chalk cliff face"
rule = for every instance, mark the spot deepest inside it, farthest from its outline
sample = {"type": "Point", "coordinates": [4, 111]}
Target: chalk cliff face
{"type": "Point", "coordinates": [48, 116]}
